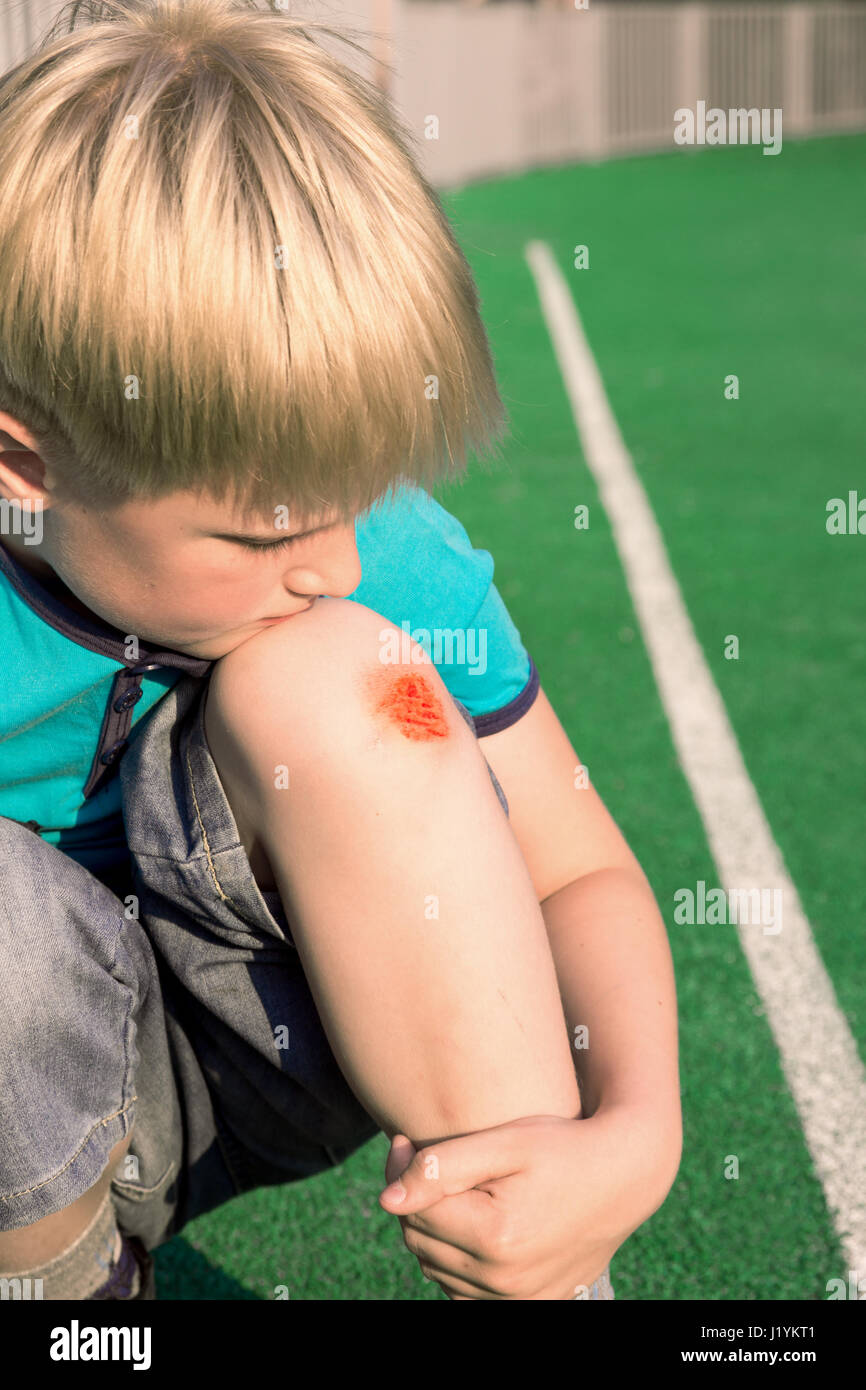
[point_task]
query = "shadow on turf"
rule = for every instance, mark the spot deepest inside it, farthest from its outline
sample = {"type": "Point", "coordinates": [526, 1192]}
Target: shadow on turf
{"type": "Point", "coordinates": [183, 1273]}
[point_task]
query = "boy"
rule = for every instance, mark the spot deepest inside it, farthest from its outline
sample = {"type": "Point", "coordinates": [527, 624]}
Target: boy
{"type": "Point", "coordinates": [260, 897]}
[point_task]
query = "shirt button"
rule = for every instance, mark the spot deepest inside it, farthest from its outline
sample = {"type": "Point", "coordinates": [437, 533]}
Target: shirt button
{"type": "Point", "coordinates": [112, 754]}
{"type": "Point", "coordinates": [128, 700]}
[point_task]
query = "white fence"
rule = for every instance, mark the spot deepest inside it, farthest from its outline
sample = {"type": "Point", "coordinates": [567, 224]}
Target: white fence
{"type": "Point", "coordinates": [489, 89]}
{"type": "Point", "coordinates": [515, 86]}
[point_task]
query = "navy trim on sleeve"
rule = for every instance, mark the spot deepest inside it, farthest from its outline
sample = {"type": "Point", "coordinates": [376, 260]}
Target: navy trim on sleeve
{"type": "Point", "coordinates": [498, 719]}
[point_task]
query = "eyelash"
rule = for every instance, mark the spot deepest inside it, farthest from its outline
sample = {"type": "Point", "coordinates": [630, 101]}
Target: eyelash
{"type": "Point", "coordinates": [271, 545]}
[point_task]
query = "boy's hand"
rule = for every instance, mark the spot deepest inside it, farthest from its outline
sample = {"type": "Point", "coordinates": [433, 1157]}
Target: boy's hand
{"type": "Point", "coordinates": [531, 1209]}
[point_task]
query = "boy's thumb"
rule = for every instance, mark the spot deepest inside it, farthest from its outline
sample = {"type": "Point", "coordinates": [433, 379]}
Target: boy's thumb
{"type": "Point", "coordinates": [400, 1156]}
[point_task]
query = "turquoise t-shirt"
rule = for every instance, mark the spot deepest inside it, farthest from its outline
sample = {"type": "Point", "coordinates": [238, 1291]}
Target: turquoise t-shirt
{"type": "Point", "coordinates": [71, 688]}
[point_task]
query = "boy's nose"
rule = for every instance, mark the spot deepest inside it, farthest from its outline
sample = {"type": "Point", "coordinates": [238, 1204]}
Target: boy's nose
{"type": "Point", "coordinates": [337, 572]}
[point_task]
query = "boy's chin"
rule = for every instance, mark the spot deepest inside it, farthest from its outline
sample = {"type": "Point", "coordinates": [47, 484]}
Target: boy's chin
{"type": "Point", "coordinates": [205, 648]}
{"type": "Point", "coordinates": [210, 648]}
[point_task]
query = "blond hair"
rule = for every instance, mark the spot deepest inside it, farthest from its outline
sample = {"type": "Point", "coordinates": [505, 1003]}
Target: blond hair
{"type": "Point", "coordinates": [222, 270]}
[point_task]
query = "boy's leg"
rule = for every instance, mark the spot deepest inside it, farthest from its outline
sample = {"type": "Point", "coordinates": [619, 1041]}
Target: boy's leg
{"type": "Point", "coordinates": [240, 993]}
{"type": "Point", "coordinates": [51, 1235]}
{"type": "Point", "coordinates": [410, 902]}
{"type": "Point", "coordinates": [79, 1003]}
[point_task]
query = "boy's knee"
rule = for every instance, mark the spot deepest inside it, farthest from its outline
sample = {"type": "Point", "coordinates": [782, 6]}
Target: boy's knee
{"type": "Point", "coordinates": [329, 682]}
{"type": "Point", "coordinates": [22, 854]}
{"type": "Point", "coordinates": [71, 977]}
{"type": "Point", "coordinates": [68, 956]}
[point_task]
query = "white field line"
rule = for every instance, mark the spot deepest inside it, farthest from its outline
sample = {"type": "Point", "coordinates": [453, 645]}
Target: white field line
{"type": "Point", "coordinates": [818, 1053]}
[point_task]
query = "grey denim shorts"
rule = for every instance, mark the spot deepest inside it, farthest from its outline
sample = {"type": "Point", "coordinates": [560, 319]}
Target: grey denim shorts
{"type": "Point", "coordinates": [150, 998]}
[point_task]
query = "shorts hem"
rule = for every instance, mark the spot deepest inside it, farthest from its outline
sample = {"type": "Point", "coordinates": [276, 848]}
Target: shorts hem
{"type": "Point", "coordinates": [70, 1182]}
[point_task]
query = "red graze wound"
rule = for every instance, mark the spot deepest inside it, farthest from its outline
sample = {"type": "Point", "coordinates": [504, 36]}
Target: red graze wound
{"type": "Point", "coordinates": [410, 702]}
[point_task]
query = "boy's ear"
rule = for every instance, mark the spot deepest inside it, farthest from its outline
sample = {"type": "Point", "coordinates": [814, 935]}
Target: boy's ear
{"type": "Point", "coordinates": [22, 470]}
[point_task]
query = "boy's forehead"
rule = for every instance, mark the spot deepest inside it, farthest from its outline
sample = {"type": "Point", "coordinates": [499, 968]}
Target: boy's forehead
{"type": "Point", "coordinates": [198, 512]}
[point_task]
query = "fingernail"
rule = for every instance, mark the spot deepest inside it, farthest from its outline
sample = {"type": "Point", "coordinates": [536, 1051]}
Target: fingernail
{"type": "Point", "coordinates": [396, 1192]}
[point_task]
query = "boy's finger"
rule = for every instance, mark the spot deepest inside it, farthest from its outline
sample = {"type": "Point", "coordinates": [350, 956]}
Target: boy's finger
{"type": "Point", "coordinates": [461, 1164]}
{"type": "Point", "coordinates": [400, 1155]}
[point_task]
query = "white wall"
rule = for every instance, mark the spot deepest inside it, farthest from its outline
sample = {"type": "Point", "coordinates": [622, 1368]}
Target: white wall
{"type": "Point", "coordinates": [516, 85]}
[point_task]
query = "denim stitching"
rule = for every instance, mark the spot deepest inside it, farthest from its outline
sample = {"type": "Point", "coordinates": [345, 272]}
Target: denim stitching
{"type": "Point", "coordinates": [128, 1021]}
{"type": "Point", "coordinates": [225, 897]}
{"type": "Point", "coordinates": [99, 1124]}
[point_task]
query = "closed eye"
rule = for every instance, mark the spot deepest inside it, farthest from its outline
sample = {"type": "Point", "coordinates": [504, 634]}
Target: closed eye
{"type": "Point", "coordinates": [251, 543]}
{"type": "Point", "coordinates": [272, 545]}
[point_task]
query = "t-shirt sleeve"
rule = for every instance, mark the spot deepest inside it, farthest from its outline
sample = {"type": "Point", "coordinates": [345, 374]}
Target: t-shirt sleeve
{"type": "Point", "coordinates": [421, 572]}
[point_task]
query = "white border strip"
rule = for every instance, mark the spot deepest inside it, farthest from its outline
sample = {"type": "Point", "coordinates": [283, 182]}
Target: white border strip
{"type": "Point", "coordinates": [818, 1053]}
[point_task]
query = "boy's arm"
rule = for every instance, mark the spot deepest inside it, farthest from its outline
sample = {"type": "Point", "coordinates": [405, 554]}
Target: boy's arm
{"type": "Point", "coordinates": [606, 934]}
